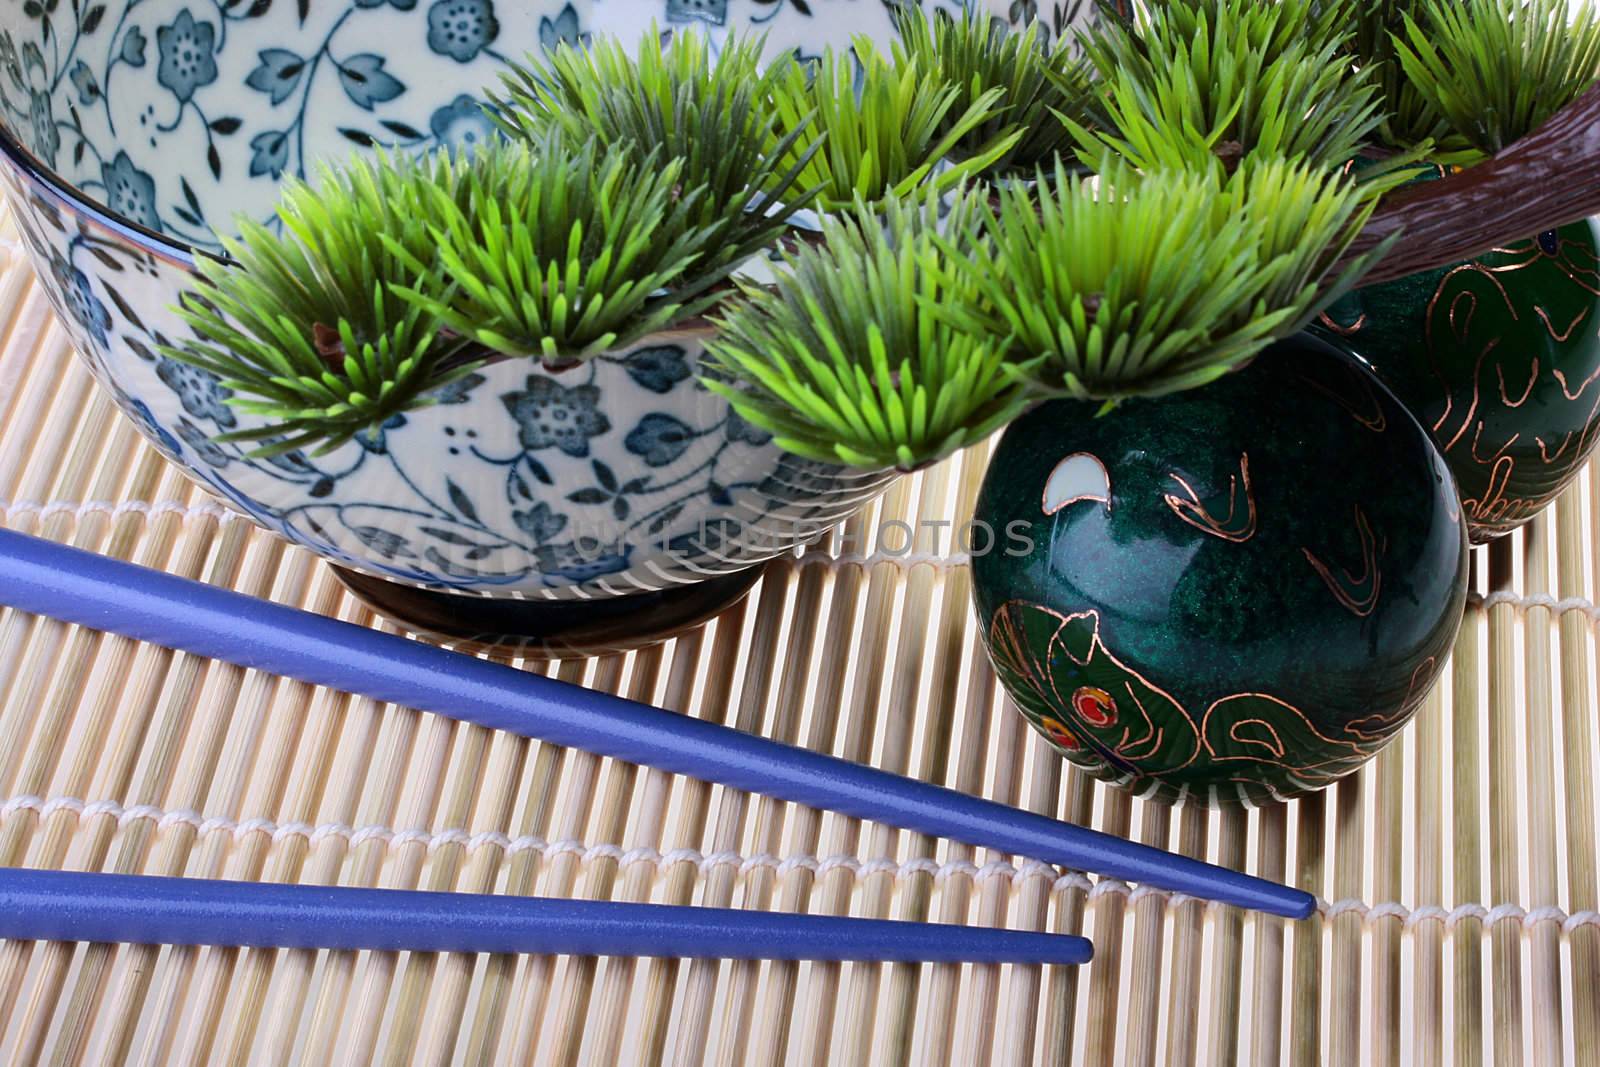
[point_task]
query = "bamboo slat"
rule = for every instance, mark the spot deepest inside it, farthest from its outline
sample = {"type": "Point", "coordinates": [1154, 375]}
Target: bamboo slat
{"type": "Point", "coordinates": [1461, 870]}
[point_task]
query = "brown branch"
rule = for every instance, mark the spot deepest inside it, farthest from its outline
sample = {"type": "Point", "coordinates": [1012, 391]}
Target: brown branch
{"type": "Point", "coordinates": [1546, 180]}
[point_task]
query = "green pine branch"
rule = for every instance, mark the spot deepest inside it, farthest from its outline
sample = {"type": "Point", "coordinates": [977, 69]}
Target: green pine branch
{"type": "Point", "coordinates": [1134, 285]}
{"type": "Point", "coordinates": [888, 126]}
{"type": "Point", "coordinates": [1493, 71]}
{"type": "Point", "coordinates": [1042, 83]}
{"type": "Point", "coordinates": [305, 327]}
{"type": "Point", "coordinates": [393, 278]}
{"type": "Point", "coordinates": [1407, 120]}
{"type": "Point", "coordinates": [861, 354]}
{"type": "Point", "coordinates": [631, 187]}
{"type": "Point", "coordinates": [711, 113]}
{"type": "Point", "coordinates": [561, 253]}
{"type": "Point", "coordinates": [1194, 84]}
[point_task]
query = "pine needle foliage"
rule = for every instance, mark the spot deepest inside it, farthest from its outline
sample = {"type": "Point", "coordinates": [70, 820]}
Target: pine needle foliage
{"type": "Point", "coordinates": [709, 111]}
{"type": "Point", "coordinates": [1040, 81]}
{"type": "Point", "coordinates": [888, 127]}
{"type": "Point", "coordinates": [1142, 285]}
{"type": "Point", "coordinates": [856, 356]}
{"type": "Point", "coordinates": [1408, 120]}
{"type": "Point", "coordinates": [932, 310]}
{"type": "Point", "coordinates": [305, 326]}
{"type": "Point", "coordinates": [392, 279]}
{"type": "Point", "coordinates": [1495, 70]}
{"type": "Point", "coordinates": [561, 253]}
{"type": "Point", "coordinates": [1193, 84]}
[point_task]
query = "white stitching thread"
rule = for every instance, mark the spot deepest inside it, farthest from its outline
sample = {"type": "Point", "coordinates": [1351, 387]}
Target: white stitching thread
{"type": "Point", "coordinates": [1524, 601]}
{"type": "Point", "coordinates": [922, 865]}
{"type": "Point", "coordinates": [794, 863]}
{"type": "Point", "coordinates": [1072, 880]}
{"type": "Point", "coordinates": [1428, 913]}
{"type": "Point", "coordinates": [1581, 918]}
{"type": "Point", "coordinates": [45, 510]}
{"type": "Point", "coordinates": [528, 843]}
{"type": "Point", "coordinates": [115, 509]}
{"type": "Point", "coordinates": [860, 869]}
{"type": "Point", "coordinates": [816, 554]}
{"type": "Point", "coordinates": [881, 865]}
{"type": "Point", "coordinates": [1144, 891]}
{"type": "Point", "coordinates": [585, 853]}
{"type": "Point", "coordinates": [956, 869]}
{"type": "Point", "coordinates": [643, 854]}
{"type": "Point", "coordinates": [1108, 886]}
{"type": "Point", "coordinates": [756, 862]}
{"type": "Point", "coordinates": [680, 855]}
{"type": "Point", "coordinates": [719, 859]}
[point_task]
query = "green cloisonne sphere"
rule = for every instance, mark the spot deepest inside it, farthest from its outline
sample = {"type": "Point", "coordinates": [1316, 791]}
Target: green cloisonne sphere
{"type": "Point", "coordinates": [1234, 593]}
{"type": "Point", "coordinates": [1500, 358]}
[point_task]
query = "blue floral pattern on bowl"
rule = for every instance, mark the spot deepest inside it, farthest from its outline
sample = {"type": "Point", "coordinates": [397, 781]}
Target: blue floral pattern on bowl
{"type": "Point", "coordinates": [623, 474]}
{"type": "Point", "coordinates": [180, 115]}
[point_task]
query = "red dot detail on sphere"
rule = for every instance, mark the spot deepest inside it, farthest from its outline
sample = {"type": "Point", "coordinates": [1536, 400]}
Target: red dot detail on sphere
{"type": "Point", "coordinates": [1095, 706]}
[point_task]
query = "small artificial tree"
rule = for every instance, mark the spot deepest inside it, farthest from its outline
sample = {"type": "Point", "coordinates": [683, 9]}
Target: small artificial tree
{"type": "Point", "coordinates": [1187, 197]}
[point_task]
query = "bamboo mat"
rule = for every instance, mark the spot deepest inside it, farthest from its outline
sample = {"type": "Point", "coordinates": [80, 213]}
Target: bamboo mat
{"type": "Point", "coordinates": [1459, 869]}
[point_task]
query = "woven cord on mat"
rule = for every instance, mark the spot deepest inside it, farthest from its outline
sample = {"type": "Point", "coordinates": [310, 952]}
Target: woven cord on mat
{"type": "Point", "coordinates": [1460, 866]}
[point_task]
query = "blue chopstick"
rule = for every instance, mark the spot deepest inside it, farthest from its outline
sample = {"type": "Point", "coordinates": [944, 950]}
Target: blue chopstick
{"type": "Point", "coordinates": [44, 578]}
{"type": "Point", "coordinates": [139, 909]}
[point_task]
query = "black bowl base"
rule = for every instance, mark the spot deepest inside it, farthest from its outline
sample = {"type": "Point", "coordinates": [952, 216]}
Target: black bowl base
{"type": "Point", "coordinates": [552, 629]}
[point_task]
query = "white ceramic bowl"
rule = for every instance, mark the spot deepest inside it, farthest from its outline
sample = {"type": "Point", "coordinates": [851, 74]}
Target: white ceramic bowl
{"type": "Point", "coordinates": [135, 129]}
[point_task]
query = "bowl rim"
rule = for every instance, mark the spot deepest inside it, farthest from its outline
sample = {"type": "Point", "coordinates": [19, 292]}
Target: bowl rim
{"type": "Point", "coordinates": [39, 174]}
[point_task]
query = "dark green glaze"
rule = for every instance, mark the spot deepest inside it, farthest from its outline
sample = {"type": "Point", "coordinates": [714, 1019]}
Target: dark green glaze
{"type": "Point", "coordinates": [1269, 588]}
{"type": "Point", "coordinates": [1499, 357]}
